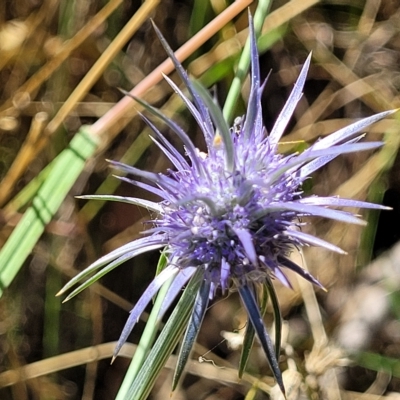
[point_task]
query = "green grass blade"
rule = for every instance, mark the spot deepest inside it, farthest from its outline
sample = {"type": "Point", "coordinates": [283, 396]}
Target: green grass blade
{"type": "Point", "coordinates": [201, 14]}
{"type": "Point", "coordinates": [378, 362]}
{"type": "Point", "coordinates": [162, 261]}
{"type": "Point", "coordinates": [28, 192]}
{"type": "Point", "coordinates": [67, 167]}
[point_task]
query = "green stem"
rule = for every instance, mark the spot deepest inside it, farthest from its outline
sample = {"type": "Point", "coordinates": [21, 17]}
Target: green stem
{"type": "Point", "coordinates": [244, 63]}
{"type": "Point", "coordinates": [145, 343]}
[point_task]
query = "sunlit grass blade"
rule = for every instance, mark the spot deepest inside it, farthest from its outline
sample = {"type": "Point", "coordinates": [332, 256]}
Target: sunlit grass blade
{"type": "Point", "coordinates": [66, 169]}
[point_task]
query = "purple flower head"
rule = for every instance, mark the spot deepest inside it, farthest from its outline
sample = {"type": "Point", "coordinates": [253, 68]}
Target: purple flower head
{"type": "Point", "coordinates": [231, 214]}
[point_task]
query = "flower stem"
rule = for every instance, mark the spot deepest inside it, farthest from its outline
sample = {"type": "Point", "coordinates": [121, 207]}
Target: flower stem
{"type": "Point", "coordinates": [145, 343]}
{"type": "Point", "coordinates": [244, 63]}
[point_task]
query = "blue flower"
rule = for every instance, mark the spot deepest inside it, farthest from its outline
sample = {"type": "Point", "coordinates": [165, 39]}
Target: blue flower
{"type": "Point", "coordinates": [232, 214]}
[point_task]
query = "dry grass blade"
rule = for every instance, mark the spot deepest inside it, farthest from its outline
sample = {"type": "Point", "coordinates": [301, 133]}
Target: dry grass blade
{"type": "Point", "coordinates": [24, 157]}
{"type": "Point", "coordinates": [33, 84]}
{"type": "Point", "coordinates": [91, 354]}
{"type": "Point", "coordinates": [101, 64]}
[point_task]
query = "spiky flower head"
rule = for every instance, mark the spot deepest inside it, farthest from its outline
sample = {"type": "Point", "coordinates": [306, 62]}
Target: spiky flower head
{"type": "Point", "coordinates": [231, 215]}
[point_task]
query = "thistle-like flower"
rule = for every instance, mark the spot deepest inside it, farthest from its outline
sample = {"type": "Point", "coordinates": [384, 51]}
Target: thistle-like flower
{"type": "Point", "coordinates": [231, 216]}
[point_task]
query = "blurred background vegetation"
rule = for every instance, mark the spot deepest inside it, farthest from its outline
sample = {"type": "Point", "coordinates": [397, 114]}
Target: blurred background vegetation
{"type": "Point", "coordinates": [341, 344]}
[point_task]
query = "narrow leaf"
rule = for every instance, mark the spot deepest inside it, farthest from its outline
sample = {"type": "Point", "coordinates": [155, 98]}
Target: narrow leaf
{"type": "Point", "coordinates": [149, 205]}
{"type": "Point", "coordinates": [317, 211]}
{"type": "Point", "coordinates": [128, 250]}
{"type": "Point", "coordinates": [246, 239]}
{"type": "Point", "coordinates": [310, 154]}
{"type": "Point", "coordinates": [166, 342]}
{"type": "Point", "coordinates": [105, 271]}
{"type": "Point", "coordinates": [207, 125]}
{"type": "Point", "coordinates": [199, 309]}
{"type": "Point", "coordinates": [140, 306]}
{"type": "Point", "coordinates": [254, 106]}
{"type": "Point", "coordinates": [335, 201]}
{"type": "Point", "coordinates": [190, 148]}
{"type": "Point", "coordinates": [248, 340]}
{"type": "Point", "coordinates": [157, 179]}
{"type": "Point", "coordinates": [349, 131]}
{"type": "Point", "coordinates": [269, 287]}
{"type": "Point", "coordinates": [258, 324]}
{"type": "Point", "coordinates": [319, 162]}
{"type": "Point", "coordinates": [286, 262]}
{"type": "Point", "coordinates": [291, 103]}
{"type": "Point", "coordinates": [175, 288]}
{"type": "Point", "coordinates": [312, 240]}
